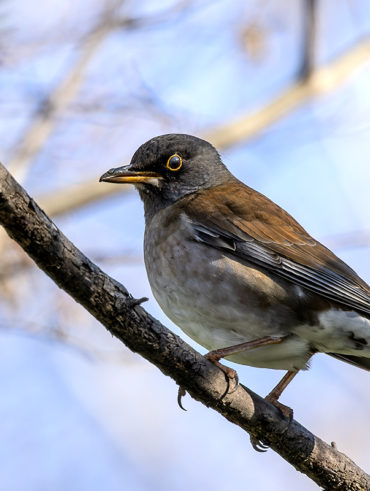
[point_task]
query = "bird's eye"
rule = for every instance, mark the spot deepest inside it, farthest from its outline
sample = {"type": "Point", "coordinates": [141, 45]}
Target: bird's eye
{"type": "Point", "coordinates": [174, 162]}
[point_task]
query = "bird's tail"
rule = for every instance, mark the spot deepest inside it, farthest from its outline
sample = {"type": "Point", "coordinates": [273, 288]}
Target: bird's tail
{"type": "Point", "coordinates": [358, 361]}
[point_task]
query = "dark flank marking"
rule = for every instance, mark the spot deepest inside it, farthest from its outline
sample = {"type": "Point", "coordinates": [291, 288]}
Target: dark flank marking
{"type": "Point", "coordinates": [360, 343]}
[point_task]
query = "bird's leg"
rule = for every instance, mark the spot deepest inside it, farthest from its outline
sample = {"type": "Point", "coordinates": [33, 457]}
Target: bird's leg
{"type": "Point", "coordinates": [276, 392]}
{"type": "Point", "coordinates": [273, 397]}
{"type": "Point", "coordinates": [216, 355]}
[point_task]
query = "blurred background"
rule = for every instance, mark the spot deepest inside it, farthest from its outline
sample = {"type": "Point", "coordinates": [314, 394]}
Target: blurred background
{"type": "Point", "coordinates": [283, 90]}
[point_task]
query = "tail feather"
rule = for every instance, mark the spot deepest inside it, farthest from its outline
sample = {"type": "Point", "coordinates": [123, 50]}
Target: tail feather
{"type": "Point", "coordinates": [357, 361]}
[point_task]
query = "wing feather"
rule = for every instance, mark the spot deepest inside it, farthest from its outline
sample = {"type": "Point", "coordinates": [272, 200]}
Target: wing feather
{"type": "Point", "coordinates": [249, 226]}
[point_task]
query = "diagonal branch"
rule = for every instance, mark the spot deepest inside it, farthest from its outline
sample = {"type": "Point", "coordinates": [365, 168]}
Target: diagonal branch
{"type": "Point", "coordinates": [110, 303]}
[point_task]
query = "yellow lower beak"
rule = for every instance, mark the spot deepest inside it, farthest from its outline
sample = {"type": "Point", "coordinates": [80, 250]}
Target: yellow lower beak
{"type": "Point", "coordinates": [125, 175]}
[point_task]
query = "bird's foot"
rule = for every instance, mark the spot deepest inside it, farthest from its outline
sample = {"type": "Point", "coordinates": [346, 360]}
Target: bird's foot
{"type": "Point", "coordinates": [230, 374]}
{"type": "Point", "coordinates": [258, 445]}
{"type": "Point", "coordinates": [287, 412]}
{"type": "Point", "coordinates": [214, 357]}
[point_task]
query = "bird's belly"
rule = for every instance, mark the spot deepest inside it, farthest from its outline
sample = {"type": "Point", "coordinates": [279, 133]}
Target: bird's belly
{"type": "Point", "coordinates": [216, 301]}
{"type": "Point", "coordinates": [218, 327]}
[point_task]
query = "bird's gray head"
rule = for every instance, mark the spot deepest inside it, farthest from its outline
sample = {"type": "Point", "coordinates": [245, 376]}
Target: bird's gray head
{"type": "Point", "coordinates": [168, 167]}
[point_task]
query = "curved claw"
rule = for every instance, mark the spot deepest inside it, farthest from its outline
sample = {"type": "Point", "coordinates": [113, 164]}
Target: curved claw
{"type": "Point", "coordinates": [236, 383]}
{"type": "Point", "coordinates": [230, 373]}
{"type": "Point", "coordinates": [228, 379]}
{"type": "Point", "coordinates": [258, 445]}
{"type": "Point", "coordinates": [227, 387]}
{"type": "Point", "coordinates": [180, 394]}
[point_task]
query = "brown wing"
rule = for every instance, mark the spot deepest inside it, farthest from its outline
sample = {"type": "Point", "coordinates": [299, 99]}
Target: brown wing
{"type": "Point", "coordinates": [248, 225]}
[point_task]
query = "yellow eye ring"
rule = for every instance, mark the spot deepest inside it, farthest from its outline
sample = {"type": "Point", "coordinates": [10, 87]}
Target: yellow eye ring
{"type": "Point", "coordinates": [174, 162]}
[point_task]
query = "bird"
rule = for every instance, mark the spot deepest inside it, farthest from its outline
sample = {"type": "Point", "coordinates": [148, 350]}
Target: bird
{"type": "Point", "coordinates": [236, 272]}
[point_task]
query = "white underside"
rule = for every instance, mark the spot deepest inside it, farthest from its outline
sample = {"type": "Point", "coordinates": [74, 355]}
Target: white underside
{"type": "Point", "coordinates": [339, 331]}
{"type": "Point", "coordinates": [342, 332]}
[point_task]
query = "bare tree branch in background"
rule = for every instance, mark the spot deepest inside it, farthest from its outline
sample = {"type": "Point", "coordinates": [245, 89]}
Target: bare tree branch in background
{"type": "Point", "coordinates": [310, 14]}
{"type": "Point", "coordinates": [170, 14]}
{"type": "Point", "coordinates": [82, 346]}
{"type": "Point", "coordinates": [22, 263]}
{"type": "Point", "coordinates": [44, 121]}
{"type": "Point", "coordinates": [322, 81]}
{"type": "Point", "coordinates": [63, 201]}
{"type": "Point", "coordinates": [110, 303]}
{"type": "Point", "coordinates": [55, 104]}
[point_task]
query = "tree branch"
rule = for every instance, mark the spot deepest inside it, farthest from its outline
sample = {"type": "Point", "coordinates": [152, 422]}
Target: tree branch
{"type": "Point", "coordinates": [110, 303]}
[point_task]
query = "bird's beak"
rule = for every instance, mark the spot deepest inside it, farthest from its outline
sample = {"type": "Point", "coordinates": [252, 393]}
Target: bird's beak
{"type": "Point", "coordinates": [125, 175]}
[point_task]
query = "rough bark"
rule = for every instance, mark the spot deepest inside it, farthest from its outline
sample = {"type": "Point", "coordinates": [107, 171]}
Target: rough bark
{"type": "Point", "coordinates": [114, 307]}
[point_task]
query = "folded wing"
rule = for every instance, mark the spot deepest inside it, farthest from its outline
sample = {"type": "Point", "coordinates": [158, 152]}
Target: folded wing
{"type": "Point", "coordinates": [251, 227]}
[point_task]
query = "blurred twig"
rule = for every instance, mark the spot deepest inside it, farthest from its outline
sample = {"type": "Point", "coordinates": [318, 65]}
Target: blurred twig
{"type": "Point", "coordinates": [44, 121]}
{"type": "Point", "coordinates": [310, 13]}
{"type": "Point", "coordinates": [322, 81]}
{"type": "Point", "coordinates": [65, 200]}
{"type": "Point", "coordinates": [169, 14]}
{"type": "Point", "coordinates": [82, 347]}
{"type": "Point", "coordinates": [19, 263]}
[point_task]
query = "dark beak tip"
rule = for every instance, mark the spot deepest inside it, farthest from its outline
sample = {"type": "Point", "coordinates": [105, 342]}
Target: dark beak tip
{"type": "Point", "coordinates": [105, 177]}
{"type": "Point", "coordinates": [113, 172]}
